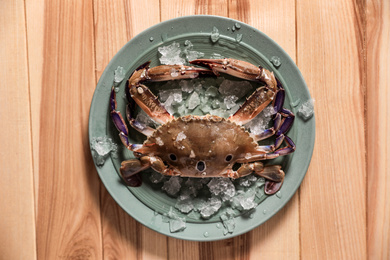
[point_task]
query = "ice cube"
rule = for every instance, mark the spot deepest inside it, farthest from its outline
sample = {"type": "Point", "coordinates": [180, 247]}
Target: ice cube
{"type": "Point", "coordinates": [119, 74]}
{"type": "Point", "coordinates": [170, 54]}
{"type": "Point", "coordinates": [205, 109]}
{"type": "Point", "coordinates": [261, 122]}
{"type": "Point", "coordinates": [306, 110]}
{"type": "Point", "coordinates": [248, 200]}
{"type": "Point", "coordinates": [186, 86]}
{"type": "Point", "coordinates": [228, 221]}
{"type": "Point", "coordinates": [214, 34]}
{"type": "Point", "coordinates": [247, 180]}
{"type": "Point", "coordinates": [244, 200]}
{"type": "Point", "coordinates": [103, 147]}
{"type": "Point", "coordinates": [157, 177]}
{"type": "Point", "coordinates": [176, 94]}
{"type": "Point", "coordinates": [211, 207]}
{"type": "Point", "coordinates": [219, 112]}
{"type": "Point", "coordinates": [184, 205]}
{"type": "Point", "coordinates": [198, 87]}
{"type": "Point", "coordinates": [193, 55]}
{"type": "Point", "coordinates": [222, 187]}
{"type": "Point", "coordinates": [193, 101]}
{"type": "Point", "coordinates": [176, 223]}
{"type": "Point", "coordinates": [236, 88]}
{"type": "Point", "coordinates": [230, 101]}
{"type": "Point", "coordinates": [143, 118]}
{"type": "Point", "coordinates": [173, 185]}
{"type": "Point", "coordinates": [211, 91]}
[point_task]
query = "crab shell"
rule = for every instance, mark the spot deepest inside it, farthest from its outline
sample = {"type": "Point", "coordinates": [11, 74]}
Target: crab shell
{"type": "Point", "coordinates": [200, 146]}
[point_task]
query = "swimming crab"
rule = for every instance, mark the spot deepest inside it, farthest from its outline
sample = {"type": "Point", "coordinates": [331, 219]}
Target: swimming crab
{"type": "Point", "coordinates": [204, 146]}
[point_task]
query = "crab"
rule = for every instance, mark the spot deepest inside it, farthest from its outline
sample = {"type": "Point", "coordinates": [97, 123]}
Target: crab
{"type": "Point", "coordinates": [209, 145]}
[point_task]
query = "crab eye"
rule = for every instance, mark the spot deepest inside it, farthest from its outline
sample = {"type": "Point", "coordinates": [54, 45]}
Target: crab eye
{"type": "Point", "coordinates": [172, 157]}
{"type": "Point", "coordinates": [200, 166]}
{"type": "Point", "coordinates": [229, 157]}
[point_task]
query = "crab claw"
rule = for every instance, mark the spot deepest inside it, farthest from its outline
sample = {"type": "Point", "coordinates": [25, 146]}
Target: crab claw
{"type": "Point", "coordinates": [272, 187]}
{"type": "Point", "coordinates": [240, 69]}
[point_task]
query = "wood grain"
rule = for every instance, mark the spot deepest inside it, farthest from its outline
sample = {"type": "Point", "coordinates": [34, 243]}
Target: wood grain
{"type": "Point", "coordinates": [68, 216]}
{"type": "Point", "coordinates": [378, 127]}
{"type": "Point", "coordinates": [333, 194]}
{"type": "Point", "coordinates": [17, 225]}
{"type": "Point", "coordinates": [115, 23]}
{"type": "Point", "coordinates": [278, 238]}
{"type": "Point", "coordinates": [53, 204]}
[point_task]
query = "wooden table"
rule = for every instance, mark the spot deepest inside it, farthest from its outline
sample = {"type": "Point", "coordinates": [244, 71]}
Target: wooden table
{"type": "Point", "coordinates": [53, 204]}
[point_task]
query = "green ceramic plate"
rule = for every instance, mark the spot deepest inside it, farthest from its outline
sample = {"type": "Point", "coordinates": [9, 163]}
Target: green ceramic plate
{"type": "Point", "coordinates": [237, 40]}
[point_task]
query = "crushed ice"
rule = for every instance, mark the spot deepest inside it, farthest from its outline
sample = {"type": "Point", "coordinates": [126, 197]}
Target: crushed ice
{"type": "Point", "coordinates": [306, 110]}
{"type": "Point", "coordinates": [102, 147]}
{"type": "Point", "coordinates": [119, 74]}
{"type": "Point", "coordinates": [173, 54]}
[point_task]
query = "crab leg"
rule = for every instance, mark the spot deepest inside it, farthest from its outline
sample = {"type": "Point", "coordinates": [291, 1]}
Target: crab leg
{"type": "Point", "coordinates": [120, 124]}
{"type": "Point", "coordinates": [245, 70]}
{"type": "Point", "coordinates": [273, 174]}
{"type": "Point", "coordinates": [139, 126]}
{"type": "Point", "coordinates": [145, 98]}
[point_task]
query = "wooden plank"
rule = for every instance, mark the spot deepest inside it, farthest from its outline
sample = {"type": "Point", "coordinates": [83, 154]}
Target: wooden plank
{"type": "Point", "coordinates": [116, 22]}
{"type": "Point", "coordinates": [278, 238]}
{"type": "Point", "coordinates": [35, 36]}
{"type": "Point", "coordinates": [378, 127]}
{"type": "Point", "coordinates": [68, 215]}
{"type": "Point", "coordinates": [17, 189]}
{"type": "Point", "coordinates": [333, 195]}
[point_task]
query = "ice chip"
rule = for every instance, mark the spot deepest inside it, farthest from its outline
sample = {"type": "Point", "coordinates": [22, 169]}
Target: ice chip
{"type": "Point", "coordinates": [170, 54]}
{"type": "Point", "coordinates": [176, 223]}
{"type": "Point", "coordinates": [156, 177]}
{"type": "Point", "coordinates": [119, 74]}
{"type": "Point", "coordinates": [102, 146]}
{"type": "Point", "coordinates": [247, 180]}
{"type": "Point", "coordinates": [184, 206]}
{"type": "Point", "coordinates": [173, 185]}
{"type": "Point", "coordinates": [306, 110]}
{"type": "Point", "coordinates": [230, 101]}
{"type": "Point", "coordinates": [214, 34]}
{"type": "Point", "coordinates": [193, 101]}
{"type": "Point", "coordinates": [143, 118]}
{"type": "Point", "coordinates": [186, 86]}
{"type": "Point", "coordinates": [228, 221]}
{"type": "Point", "coordinates": [236, 88]}
{"type": "Point", "coordinates": [211, 91]}
{"type": "Point", "coordinates": [193, 55]}
{"type": "Point", "coordinates": [205, 109]}
{"type": "Point", "coordinates": [222, 187]}
{"type": "Point", "coordinates": [211, 207]}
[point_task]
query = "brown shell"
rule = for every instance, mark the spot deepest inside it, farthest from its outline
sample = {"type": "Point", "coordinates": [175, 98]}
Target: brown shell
{"type": "Point", "coordinates": [200, 138]}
